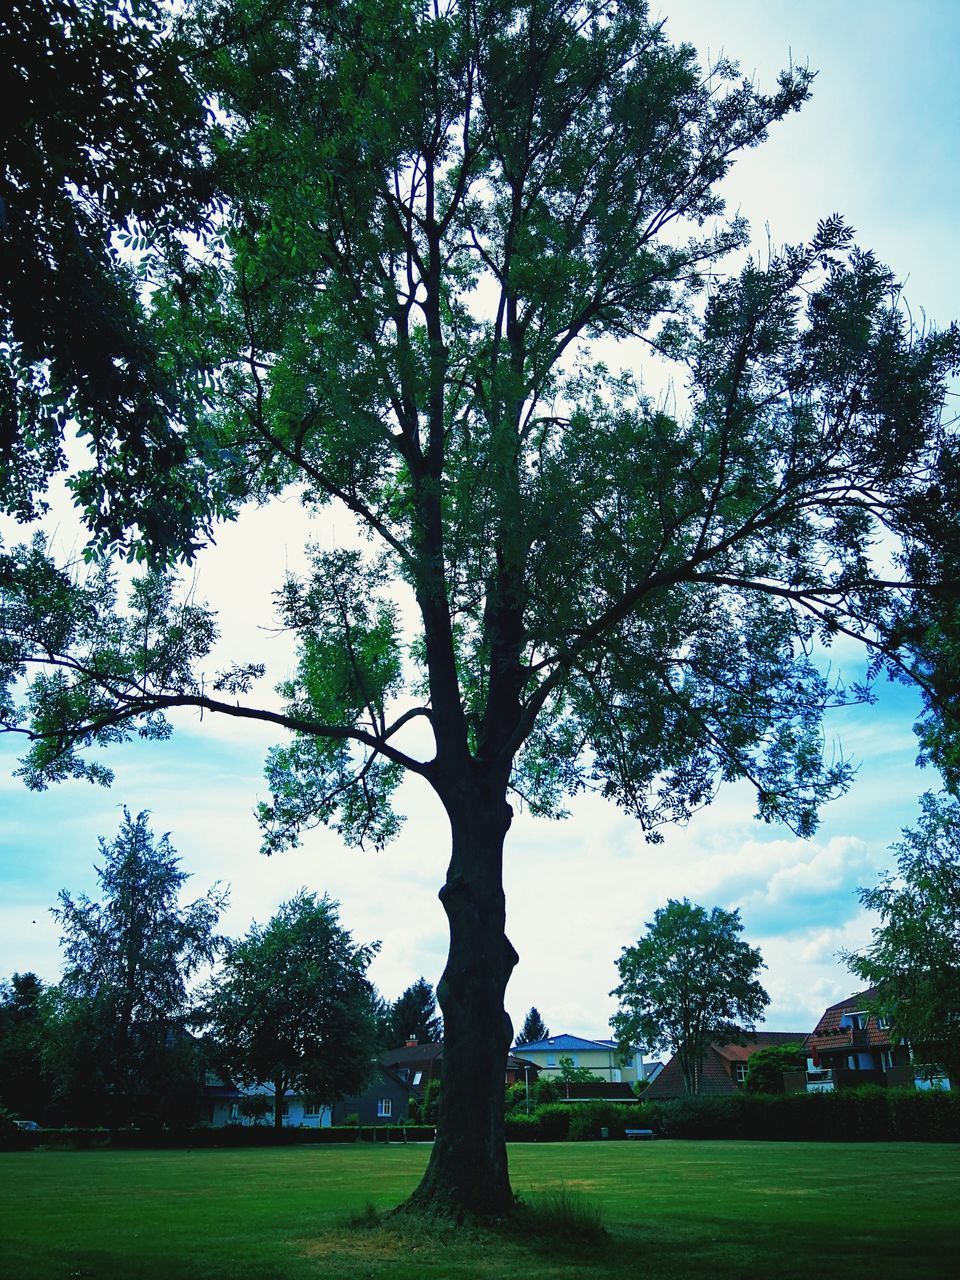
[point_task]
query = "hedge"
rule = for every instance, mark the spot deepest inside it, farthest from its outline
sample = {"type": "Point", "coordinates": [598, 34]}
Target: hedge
{"type": "Point", "coordinates": [869, 1114]}
{"type": "Point", "coordinates": [225, 1136]}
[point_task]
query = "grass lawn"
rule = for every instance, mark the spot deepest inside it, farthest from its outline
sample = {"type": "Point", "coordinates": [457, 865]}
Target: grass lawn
{"type": "Point", "coordinates": [677, 1210]}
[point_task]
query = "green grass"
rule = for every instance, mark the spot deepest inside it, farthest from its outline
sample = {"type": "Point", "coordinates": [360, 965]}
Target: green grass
{"type": "Point", "coordinates": [672, 1210]}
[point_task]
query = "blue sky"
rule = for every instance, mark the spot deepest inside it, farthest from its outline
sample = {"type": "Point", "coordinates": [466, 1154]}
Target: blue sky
{"type": "Point", "coordinates": [877, 143]}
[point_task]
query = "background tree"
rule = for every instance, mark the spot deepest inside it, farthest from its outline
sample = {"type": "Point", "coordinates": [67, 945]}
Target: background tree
{"type": "Point", "coordinates": [913, 958]}
{"type": "Point", "coordinates": [534, 1028]}
{"type": "Point", "coordinates": [434, 217]}
{"type": "Point", "coordinates": [765, 1068]}
{"type": "Point", "coordinates": [129, 960]}
{"type": "Point", "coordinates": [413, 1015]}
{"type": "Point", "coordinates": [24, 1084]}
{"type": "Point", "coordinates": [689, 981]}
{"type": "Point", "coordinates": [292, 1006]}
{"type": "Point", "coordinates": [569, 1074]}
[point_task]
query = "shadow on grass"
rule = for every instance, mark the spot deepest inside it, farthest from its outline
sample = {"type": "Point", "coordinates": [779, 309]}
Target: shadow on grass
{"type": "Point", "coordinates": [558, 1221]}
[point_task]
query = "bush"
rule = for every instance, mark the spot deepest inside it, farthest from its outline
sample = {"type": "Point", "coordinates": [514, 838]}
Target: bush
{"type": "Point", "coordinates": [549, 1123]}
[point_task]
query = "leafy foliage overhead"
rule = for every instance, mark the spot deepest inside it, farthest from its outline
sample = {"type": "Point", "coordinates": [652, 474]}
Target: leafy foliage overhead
{"type": "Point", "coordinates": [106, 148]}
{"type": "Point", "coordinates": [433, 219]}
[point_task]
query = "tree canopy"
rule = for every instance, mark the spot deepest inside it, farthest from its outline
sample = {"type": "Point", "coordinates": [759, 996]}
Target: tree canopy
{"type": "Point", "coordinates": [448, 241]}
{"type": "Point", "coordinates": [689, 980]}
{"type": "Point", "coordinates": [105, 145]}
{"type": "Point", "coordinates": [765, 1068]}
{"type": "Point", "coordinates": [913, 958]}
{"type": "Point", "coordinates": [292, 1006]}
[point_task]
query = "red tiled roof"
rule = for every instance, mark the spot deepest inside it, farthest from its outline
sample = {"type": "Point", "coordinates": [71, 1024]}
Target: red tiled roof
{"type": "Point", "coordinates": [830, 1037]}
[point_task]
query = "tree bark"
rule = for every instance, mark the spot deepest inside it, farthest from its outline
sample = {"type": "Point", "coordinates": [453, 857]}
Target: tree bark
{"type": "Point", "coordinates": [278, 1090]}
{"type": "Point", "coordinates": [467, 1177]}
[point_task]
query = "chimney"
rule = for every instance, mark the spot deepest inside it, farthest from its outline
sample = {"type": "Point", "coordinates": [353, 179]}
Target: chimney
{"type": "Point", "coordinates": [411, 1043]}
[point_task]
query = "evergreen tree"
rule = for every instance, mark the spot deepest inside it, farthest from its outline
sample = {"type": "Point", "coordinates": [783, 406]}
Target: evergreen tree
{"type": "Point", "coordinates": [129, 959]}
{"type": "Point", "coordinates": [413, 1016]}
{"type": "Point", "coordinates": [533, 1028]}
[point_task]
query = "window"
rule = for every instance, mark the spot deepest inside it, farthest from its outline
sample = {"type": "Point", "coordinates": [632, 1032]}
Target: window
{"type": "Point", "coordinates": [739, 1072]}
{"type": "Point", "coordinates": [858, 1021]}
{"type": "Point", "coordinates": [417, 1077]}
{"type": "Point", "coordinates": [384, 1108]}
{"type": "Point", "coordinates": [312, 1109]}
{"type": "Point", "coordinates": [886, 1059]}
{"type": "Point", "coordinates": [551, 1062]}
{"type": "Point", "coordinates": [286, 1109]}
{"type": "Point", "coordinates": [883, 1022]}
{"type": "Point", "coordinates": [853, 1062]}
{"type": "Point", "coordinates": [234, 1112]}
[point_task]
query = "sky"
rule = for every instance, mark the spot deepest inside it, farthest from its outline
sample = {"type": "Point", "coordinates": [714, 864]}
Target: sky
{"type": "Point", "coordinates": [877, 143]}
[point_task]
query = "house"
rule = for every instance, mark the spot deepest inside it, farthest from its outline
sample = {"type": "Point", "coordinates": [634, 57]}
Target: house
{"type": "Point", "coordinates": [418, 1064]}
{"type": "Point", "coordinates": [724, 1067]}
{"type": "Point", "coordinates": [253, 1104]}
{"type": "Point", "coordinates": [602, 1058]}
{"type": "Point", "coordinates": [852, 1045]}
{"type": "Point", "coordinates": [415, 1064]}
{"type": "Point", "coordinates": [386, 1100]}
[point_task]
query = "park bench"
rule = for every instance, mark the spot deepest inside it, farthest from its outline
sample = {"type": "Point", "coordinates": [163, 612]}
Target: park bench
{"type": "Point", "coordinates": [639, 1134]}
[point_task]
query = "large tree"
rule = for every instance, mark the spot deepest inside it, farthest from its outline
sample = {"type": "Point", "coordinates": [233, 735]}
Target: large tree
{"type": "Point", "coordinates": [129, 961]}
{"type": "Point", "coordinates": [913, 957]}
{"type": "Point", "coordinates": [292, 1006]}
{"type": "Point", "coordinates": [448, 229]}
{"type": "Point", "coordinates": [690, 980]}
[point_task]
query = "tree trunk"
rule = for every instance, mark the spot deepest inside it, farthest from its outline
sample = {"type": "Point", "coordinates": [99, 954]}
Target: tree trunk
{"type": "Point", "coordinates": [278, 1104]}
{"type": "Point", "coordinates": [467, 1173]}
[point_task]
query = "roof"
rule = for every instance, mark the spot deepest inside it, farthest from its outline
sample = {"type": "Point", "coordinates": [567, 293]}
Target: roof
{"type": "Point", "coordinates": [717, 1071]}
{"type": "Point", "coordinates": [564, 1043]}
{"type": "Point", "coordinates": [830, 1035]}
{"type": "Point", "coordinates": [759, 1040]}
{"type": "Point", "coordinates": [416, 1053]}
{"type": "Point", "coordinates": [518, 1064]}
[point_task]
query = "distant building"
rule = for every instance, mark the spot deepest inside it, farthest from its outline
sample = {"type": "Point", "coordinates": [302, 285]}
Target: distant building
{"type": "Point", "coordinates": [602, 1058]}
{"type": "Point", "coordinates": [853, 1045]}
{"type": "Point", "coordinates": [724, 1067]}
